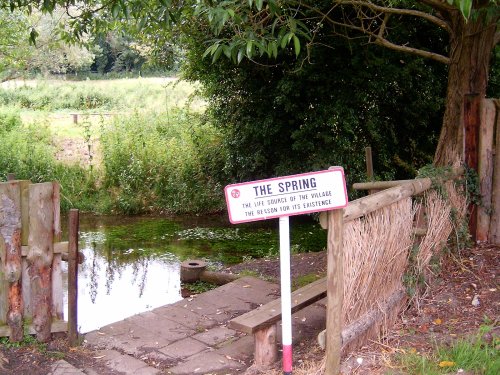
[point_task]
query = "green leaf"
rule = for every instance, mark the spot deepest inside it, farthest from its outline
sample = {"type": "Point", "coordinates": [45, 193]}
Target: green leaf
{"type": "Point", "coordinates": [466, 8]}
{"type": "Point", "coordinates": [296, 44]}
{"type": "Point", "coordinates": [241, 54]}
{"type": "Point", "coordinates": [259, 4]}
{"type": "Point", "coordinates": [115, 9]}
{"type": "Point", "coordinates": [217, 53]}
{"type": "Point", "coordinates": [249, 48]}
{"type": "Point", "coordinates": [285, 40]}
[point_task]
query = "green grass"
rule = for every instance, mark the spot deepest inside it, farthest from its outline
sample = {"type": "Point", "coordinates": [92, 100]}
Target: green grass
{"type": "Point", "coordinates": [473, 353]}
{"type": "Point", "coordinates": [150, 149]}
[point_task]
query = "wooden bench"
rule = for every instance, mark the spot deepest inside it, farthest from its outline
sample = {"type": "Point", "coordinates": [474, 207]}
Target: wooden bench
{"type": "Point", "coordinates": [261, 322]}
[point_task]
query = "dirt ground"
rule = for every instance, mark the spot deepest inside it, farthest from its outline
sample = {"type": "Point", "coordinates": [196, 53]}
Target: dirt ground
{"type": "Point", "coordinates": [462, 298]}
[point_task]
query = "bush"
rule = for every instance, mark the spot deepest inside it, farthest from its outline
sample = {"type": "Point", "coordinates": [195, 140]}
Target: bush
{"type": "Point", "coordinates": [159, 163]}
{"type": "Point", "coordinates": [9, 119]}
{"type": "Point", "coordinates": [26, 151]}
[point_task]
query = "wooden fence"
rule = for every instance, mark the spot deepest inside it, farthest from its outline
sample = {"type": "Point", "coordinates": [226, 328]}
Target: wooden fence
{"type": "Point", "coordinates": [31, 284]}
{"type": "Point", "coordinates": [348, 328]}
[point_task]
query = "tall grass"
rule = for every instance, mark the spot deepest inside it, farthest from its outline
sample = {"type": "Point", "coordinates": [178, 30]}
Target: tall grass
{"type": "Point", "coordinates": [27, 151]}
{"type": "Point", "coordinates": [162, 163]}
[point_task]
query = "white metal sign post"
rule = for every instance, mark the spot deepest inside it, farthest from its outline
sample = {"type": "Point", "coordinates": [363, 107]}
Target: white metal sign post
{"type": "Point", "coordinates": [282, 197]}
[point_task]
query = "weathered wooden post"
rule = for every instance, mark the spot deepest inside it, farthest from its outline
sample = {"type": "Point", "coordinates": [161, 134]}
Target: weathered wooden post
{"type": "Point", "coordinates": [472, 104]}
{"type": "Point", "coordinates": [485, 167]}
{"type": "Point", "coordinates": [10, 256]}
{"type": "Point", "coordinates": [495, 198]}
{"type": "Point", "coordinates": [40, 256]}
{"type": "Point", "coordinates": [57, 284]}
{"type": "Point", "coordinates": [73, 277]}
{"type": "Point", "coordinates": [11, 176]}
{"type": "Point", "coordinates": [335, 291]}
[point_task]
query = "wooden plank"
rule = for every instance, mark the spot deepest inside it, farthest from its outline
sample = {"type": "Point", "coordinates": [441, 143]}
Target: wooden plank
{"type": "Point", "coordinates": [10, 240]}
{"type": "Point", "coordinates": [335, 287]}
{"type": "Point", "coordinates": [485, 168]}
{"type": "Point", "coordinates": [369, 163]}
{"type": "Point", "coordinates": [370, 324]}
{"type": "Point", "coordinates": [73, 227]}
{"type": "Point", "coordinates": [25, 211]}
{"type": "Point", "coordinates": [40, 256]}
{"type": "Point", "coordinates": [270, 313]}
{"type": "Point", "coordinates": [57, 280]}
{"type": "Point", "coordinates": [4, 285]}
{"type": "Point", "coordinates": [494, 236]}
{"type": "Point", "coordinates": [26, 283]}
{"type": "Point", "coordinates": [56, 326]}
{"type": "Point", "coordinates": [59, 248]}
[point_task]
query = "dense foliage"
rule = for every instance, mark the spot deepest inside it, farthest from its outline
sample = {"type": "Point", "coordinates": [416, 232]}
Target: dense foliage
{"type": "Point", "coordinates": [285, 116]}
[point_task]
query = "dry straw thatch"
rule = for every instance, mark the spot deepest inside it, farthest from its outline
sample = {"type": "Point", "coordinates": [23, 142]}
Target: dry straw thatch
{"type": "Point", "coordinates": [377, 248]}
{"type": "Point", "coordinates": [440, 223]}
{"type": "Point", "coordinates": [376, 251]}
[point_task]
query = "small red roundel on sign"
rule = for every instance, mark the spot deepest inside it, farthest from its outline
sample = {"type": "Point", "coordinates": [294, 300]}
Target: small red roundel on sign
{"type": "Point", "coordinates": [235, 193]}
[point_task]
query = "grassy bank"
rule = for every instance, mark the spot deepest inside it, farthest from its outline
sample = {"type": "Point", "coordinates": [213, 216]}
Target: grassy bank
{"type": "Point", "coordinates": [138, 145]}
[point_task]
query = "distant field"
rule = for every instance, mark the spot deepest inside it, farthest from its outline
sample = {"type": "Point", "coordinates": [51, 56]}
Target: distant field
{"type": "Point", "coordinates": [74, 129]}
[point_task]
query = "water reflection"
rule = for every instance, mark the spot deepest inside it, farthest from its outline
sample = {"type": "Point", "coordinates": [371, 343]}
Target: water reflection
{"type": "Point", "coordinates": [132, 264]}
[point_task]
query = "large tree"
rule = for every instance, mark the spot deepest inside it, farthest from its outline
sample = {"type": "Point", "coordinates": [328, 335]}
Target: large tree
{"type": "Point", "coordinates": [256, 27]}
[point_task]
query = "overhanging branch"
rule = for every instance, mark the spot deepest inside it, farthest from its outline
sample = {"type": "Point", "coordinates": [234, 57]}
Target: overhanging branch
{"type": "Point", "coordinates": [378, 36]}
{"type": "Point", "coordinates": [414, 51]}
{"type": "Point", "coordinates": [404, 12]}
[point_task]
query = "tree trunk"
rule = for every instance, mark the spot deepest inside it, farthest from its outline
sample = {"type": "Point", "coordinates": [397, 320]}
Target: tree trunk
{"type": "Point", "coordinates": [471, 46]}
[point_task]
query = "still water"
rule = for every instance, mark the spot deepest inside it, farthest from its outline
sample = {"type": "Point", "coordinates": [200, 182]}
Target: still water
{"type": "Point", "coordinates": [132, 264]}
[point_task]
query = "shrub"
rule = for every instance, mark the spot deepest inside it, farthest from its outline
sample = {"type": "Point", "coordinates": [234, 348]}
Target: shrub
{"type": "Point", "coordinates": [158, 163]}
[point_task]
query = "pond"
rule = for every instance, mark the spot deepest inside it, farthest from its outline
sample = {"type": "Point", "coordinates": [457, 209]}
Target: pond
{"type": "Point", "coordinates": [132, 264]}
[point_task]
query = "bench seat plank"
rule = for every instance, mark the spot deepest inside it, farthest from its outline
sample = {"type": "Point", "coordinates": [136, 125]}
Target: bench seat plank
{"type": "Point", "coordinates": [270, 313]}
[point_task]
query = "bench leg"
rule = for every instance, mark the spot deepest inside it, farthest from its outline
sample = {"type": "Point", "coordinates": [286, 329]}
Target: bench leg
{"type": "Point", "coordinates": [266, 352]}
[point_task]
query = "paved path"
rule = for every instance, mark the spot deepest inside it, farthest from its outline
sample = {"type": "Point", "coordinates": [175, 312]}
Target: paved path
{"type": "Point", "coordinates": [191, 336]}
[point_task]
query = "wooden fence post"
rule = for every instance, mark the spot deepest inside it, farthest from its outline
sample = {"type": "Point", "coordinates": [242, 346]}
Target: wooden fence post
{"type": "Point", "coordinates": [10, 254]}
{"type": "Point", "coordinates": [11, 176]}
{"type": "Point", "coordinates": [40, 256]}
{"type": "Point", "coordinates": [472, 103]}
{"type": "Point", "coordinates": [73, 277]}
{"type": "Point", "coordinates": [485, 167]}
{"type": "Point", "coordinates": [495, 197]}
{"type": "Point", "coordinates": [335, 291]}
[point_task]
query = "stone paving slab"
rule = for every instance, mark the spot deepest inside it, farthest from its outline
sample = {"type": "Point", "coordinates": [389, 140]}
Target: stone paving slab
{"type": "Point", "coordinates": [191, 336]}
{"type": "Point", "coordinates": [204, 363]}
{"type": "Point", "coordinates": [62, 367]}
{"type": "Point", "coordinates": [184, 348]}
{"type": "Point", "coordinates": [126, 363]}
{"type": "Point", "coordinates": [215, 336]}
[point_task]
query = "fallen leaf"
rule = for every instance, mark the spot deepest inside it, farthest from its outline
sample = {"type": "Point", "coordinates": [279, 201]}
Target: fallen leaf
{"type": "Point", "coordinates": [446, 364]}
{"type": "Point", "coordinates": [437, 321]}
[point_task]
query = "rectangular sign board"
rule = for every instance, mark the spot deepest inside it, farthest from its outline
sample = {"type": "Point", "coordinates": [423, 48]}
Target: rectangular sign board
{"type": "Point", "coordinates": [286, 196]}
